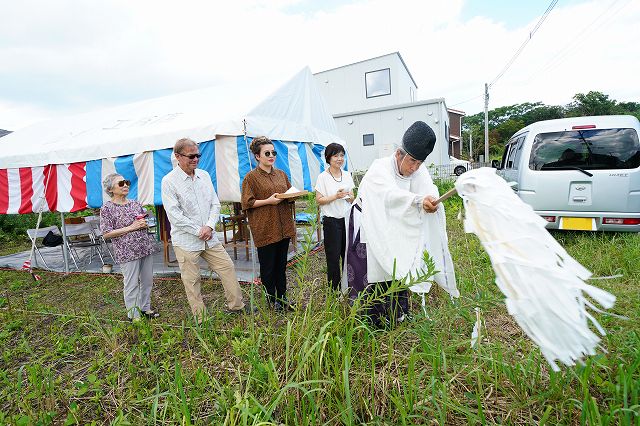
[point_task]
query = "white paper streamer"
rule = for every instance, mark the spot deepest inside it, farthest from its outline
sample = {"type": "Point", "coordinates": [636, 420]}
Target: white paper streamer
{"type": "Point", "coordinates": [475, 334]}
{"type": "Point", "coordinates": [544, 286]}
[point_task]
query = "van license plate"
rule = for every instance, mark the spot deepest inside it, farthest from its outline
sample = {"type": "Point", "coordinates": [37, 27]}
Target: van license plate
{"type": "Point", "coordinates": [578, 223]}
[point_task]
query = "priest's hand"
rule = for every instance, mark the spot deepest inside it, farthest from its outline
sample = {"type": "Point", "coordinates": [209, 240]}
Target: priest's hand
{"type": "Point", "coordinates": [428, 204]}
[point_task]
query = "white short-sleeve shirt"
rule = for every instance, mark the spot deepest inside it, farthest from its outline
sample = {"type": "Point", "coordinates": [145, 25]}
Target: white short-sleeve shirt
{"type": "Point", "coordinates": [327, 185]}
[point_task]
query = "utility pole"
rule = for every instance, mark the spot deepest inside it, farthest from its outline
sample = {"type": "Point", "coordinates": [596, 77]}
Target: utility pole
{"type": "Point", "coordinates": [471, 143]}
{"type": "Point", "coordinates": [486, 123]}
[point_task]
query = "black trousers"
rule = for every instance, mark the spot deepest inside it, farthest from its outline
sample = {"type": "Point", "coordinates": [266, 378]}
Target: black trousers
{"type": "Point", "coordinates": [273, 267]}
{"type": "Point", "coordinates": [387, 309]}
{"type": "Point", "coordinates": [334, 246]}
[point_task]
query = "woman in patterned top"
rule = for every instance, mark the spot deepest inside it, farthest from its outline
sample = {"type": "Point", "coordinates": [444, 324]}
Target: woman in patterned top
{"type": "Point", "coordinates": [124, 222]}
{"type": "Point", "coordinates": [270, 219]}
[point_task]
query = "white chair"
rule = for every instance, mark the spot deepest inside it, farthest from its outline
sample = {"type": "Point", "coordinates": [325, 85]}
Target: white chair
{"type": "Point", "coordinates": [35, 234]}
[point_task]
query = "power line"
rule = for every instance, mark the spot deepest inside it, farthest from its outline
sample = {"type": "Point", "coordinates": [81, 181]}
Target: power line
{"type": "Point", "coordinates": [468, 100]}
{"type": "Point", "coordinates": [577, 40]}
{"type": "Point", "coordinates": [531, 33]}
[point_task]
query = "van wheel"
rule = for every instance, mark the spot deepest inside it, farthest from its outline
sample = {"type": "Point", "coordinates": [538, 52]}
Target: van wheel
{"type": "Point", "coordinates": [459, 170]}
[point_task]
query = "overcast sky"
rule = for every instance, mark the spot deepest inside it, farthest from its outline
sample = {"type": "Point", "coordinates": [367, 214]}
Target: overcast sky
{"type": "Point", "coordinates": [69, 56]}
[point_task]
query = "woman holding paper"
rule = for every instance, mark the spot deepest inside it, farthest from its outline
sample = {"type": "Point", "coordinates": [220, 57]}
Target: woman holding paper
{"type": "Point", "coordinates": [270, 219]}
{"type": "Point", "coordinates": [334, 195]}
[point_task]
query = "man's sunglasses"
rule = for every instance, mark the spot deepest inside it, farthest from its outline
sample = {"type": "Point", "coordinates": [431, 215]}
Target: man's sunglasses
{"type": "Point", "coordinates": [270, 153]}
{"type": "Point", "coordinates": [124, 182]}
{"type": "Point", "coordinates": [191, 156]}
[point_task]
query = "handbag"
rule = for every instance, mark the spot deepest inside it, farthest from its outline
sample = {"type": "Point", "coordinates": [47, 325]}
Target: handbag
{"type": "Point", "coordinates": [52, 240]}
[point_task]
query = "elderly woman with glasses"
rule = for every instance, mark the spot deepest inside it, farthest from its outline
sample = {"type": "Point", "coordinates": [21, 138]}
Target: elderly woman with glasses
{"type": "Point", "coordinates": [123, 221]}
{"type": "Point", "coordinates": [270, 219]}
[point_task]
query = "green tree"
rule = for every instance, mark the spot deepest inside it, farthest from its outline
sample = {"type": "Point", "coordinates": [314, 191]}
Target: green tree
{"type": "Point", "coordinates": [593, 103]}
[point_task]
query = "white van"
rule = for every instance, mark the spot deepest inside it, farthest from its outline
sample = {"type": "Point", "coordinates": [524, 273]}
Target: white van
{"type": "Point", "coordinates": [578, 173]}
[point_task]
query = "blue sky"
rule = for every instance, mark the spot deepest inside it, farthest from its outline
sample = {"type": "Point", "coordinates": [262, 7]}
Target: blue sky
{"type": "Point", "coordinates": [67, 57]}
{"type": "Point", "coordinates": [512, 13]}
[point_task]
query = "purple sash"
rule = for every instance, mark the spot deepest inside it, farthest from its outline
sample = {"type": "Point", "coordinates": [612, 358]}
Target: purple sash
{"type": "Point", "coordinates": [356, 260]}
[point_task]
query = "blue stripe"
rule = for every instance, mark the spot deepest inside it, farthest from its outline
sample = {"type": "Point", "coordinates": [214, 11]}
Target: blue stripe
{"type": "Point", "coordinates": [246, 161]}
{"type": "Point", "coordinates": [306, 174]}
{"type": "Point", "coordinates": [317, 151]}
{"type": "Point", "coordinates": [161, 166]}
{"type": "Point", "coordinates": [124, 166]}
{"type": "Point", "coordinates": [94, 183]}
{"type": "Point", "coordinates": [208, 160]}
{"type": "Point", "coordinates": [282, 159]}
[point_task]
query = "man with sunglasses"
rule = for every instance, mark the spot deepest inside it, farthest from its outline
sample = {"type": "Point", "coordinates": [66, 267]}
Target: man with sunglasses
{"type": "Point", "coordinates": [193, 209]}
{"type": "Point", "coordinates": [393, 221]}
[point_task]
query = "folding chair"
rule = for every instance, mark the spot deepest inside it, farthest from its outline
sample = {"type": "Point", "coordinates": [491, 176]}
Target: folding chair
{"type": "Point", "coordinates": [40, 234]}
{"type": "Point", "coordinates": [81, 235]}
{"type": "Point", "coordinates": [94, 221]}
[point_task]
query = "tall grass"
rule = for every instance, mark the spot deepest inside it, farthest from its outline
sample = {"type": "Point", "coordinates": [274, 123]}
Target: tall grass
{"type": "Point", "coordinates": [323, 364]}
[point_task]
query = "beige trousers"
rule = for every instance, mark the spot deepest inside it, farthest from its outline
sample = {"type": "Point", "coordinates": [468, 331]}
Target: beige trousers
{"type": "Point", "coordinates": [219, 261]}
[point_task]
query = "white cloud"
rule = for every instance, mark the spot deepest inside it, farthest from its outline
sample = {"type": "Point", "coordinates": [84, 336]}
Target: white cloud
{"type": "Point", "coordinates": [71, 56]}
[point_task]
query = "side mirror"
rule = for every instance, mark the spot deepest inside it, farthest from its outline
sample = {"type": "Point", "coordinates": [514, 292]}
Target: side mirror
{"type": "Point", "coordinates": [495, 164]}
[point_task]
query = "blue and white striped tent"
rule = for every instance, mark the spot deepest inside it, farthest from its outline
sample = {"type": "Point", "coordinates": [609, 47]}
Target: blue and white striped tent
{"type": "Point", "coordinates": [227, 160]}
{"type": "Point", "coordinates": [135, 140]}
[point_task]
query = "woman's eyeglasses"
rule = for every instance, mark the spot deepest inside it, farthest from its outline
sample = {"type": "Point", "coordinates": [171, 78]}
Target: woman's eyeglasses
{"type": "Point", "coordinates": [124, 182]}
{"type": "Point", "coordinates": [191, 156]}
{"type": "Point", "coordinates": [270, 153]}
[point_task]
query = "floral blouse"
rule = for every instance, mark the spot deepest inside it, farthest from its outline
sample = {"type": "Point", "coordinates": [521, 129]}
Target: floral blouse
{"type": "Point", "coordinates": [132, 245]}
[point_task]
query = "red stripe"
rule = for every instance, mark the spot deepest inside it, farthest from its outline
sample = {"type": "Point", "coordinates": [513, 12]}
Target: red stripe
{"type": "Point", "coordinates": [26, 190]}
{"type": "Point", "coordinates": [51, 186]}
{"type": "Point", "coordinates": [4, 191]}
{"type": "Point", "coordinates": [78, 186]}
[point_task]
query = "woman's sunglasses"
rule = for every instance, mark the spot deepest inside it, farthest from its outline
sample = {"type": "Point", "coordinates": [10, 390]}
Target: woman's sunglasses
{"type": "Point", "coordinates": [191, 156]}
{"type": "Point", "coordinates": [270, 153]}
{"type": "Point", "coordinates": [124, 182]}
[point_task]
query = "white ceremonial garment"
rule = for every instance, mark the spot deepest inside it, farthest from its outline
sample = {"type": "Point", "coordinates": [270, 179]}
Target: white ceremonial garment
{"type": "Point", "coordinates": [396, 229]}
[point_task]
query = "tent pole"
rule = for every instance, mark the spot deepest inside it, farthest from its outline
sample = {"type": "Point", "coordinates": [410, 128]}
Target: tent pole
{"type": "Point", "coordinates": [254, 275]}
{"type": "Point", "coordinates": [64, 244]}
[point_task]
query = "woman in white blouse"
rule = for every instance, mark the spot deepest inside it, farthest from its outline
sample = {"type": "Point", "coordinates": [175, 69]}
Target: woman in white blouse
{"type": "Point", "coordinates": [334, 193]}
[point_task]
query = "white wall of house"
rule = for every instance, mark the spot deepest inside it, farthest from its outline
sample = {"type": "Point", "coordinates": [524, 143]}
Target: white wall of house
{"type": "Point", "coordinates": [387, 125]}
{"type": "Point", "coordinates": [386, 116]}
{"type": "Point", "coordinates": [345, 88]}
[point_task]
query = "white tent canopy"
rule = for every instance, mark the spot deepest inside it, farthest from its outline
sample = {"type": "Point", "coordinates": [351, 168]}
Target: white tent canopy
{"type": "Point", "coordinates": [294, 112]}
{"type": "Point", "coordinates": [65, 160]}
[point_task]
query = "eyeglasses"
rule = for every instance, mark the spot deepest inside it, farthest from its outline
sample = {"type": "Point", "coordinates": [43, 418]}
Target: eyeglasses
{"type": "Point", "coordinates": [124, 182]}
{"type": "Point", "coordinates": [191, 156]}
{"type": "Point", "coordinates": [270, 153]}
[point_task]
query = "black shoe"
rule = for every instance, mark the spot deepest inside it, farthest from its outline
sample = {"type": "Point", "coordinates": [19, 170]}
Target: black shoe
{"type": "Point", "coordinates": [151, 314]}
{"type": "Point", "coordinates": [284, 307]}
{"type": "Point", "coordinates": [250, 309]}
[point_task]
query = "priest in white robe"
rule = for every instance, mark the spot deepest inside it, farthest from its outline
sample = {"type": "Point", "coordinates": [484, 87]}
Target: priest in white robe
{"type": "Point", "coordinates": [392, 222]}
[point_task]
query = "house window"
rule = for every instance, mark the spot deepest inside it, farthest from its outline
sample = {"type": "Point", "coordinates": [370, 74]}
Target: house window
{"type": "Point", "coordinates": [378, 83]}
{"type": "Point", "coordinates": [367, 140]}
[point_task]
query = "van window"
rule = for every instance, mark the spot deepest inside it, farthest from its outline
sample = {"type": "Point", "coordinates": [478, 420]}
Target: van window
{"type": "Point", "coordinates": [587, 149]}
{"type": "Point", "coordinates": [512, 153]}
{"type": "Point", "coordinates": [516, 153]}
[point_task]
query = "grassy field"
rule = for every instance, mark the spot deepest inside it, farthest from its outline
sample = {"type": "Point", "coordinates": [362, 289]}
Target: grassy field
{"type": "Point", "coordinates": [68, 358]}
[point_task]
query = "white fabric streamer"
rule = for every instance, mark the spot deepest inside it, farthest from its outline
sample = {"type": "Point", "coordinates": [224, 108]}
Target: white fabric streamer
{"type": "Point", "coordinates": [544, 286]}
